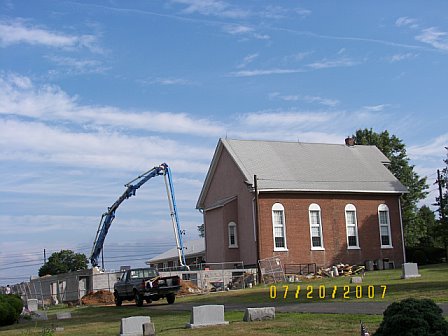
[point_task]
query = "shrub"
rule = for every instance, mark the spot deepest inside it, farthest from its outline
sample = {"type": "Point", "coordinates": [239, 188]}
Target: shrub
{"type": "Point", "coordinates": [10, 309]}
{"type": "Point", "coordinates": [412, 317]}
{"type": "Point", "coordinates": [7, 314]}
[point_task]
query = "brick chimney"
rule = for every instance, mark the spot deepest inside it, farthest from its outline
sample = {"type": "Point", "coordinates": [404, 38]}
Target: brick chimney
{"type": "Point", "coordinates": [349, 141]}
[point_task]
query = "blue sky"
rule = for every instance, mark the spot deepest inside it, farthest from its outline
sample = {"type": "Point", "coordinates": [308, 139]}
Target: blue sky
{"type": "Point", "coordinates": [94, 93]}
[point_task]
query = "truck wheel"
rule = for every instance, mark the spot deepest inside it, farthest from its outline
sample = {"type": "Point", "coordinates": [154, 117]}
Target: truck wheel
{"type": "Point", "coordinates": [138, 299]}
{"type": "Point", "coordinates": [117, 299]}
{"type": "Point", "coordinates": [170, 298]}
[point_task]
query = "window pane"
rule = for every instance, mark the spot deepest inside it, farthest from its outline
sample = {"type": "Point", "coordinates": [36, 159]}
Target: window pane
{"type": "Point", "coordinates": [351, 231]}
{"type": "Point", "coordinates": [384, 230]}
{"type": "Point", "coordinates": [316, 242]}
{"type": "Point", "coordinates": [350, 216]}
{"type": "Point", "coordinates": [278, 231]}
{"type": "Point", "coordinates": [385, 240]}
{"type": "Point", "coordinates": [352, 241]}
{"type": "Point", "coordinates": [314, 217]}
{"type": "Point", "coordinates": [315, 231]}
{"type": "Point", "coordinates": [279, 242]}
{"type": "Point", "coordinates": [277, 217]}
{"type": "Point", "coordinates": [383, 217]}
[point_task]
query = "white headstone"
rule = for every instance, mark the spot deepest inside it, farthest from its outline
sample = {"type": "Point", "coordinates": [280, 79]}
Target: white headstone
{"type": "Point", "coordinates": [410, 270]}
{"type": "Point", "coordinates": [133, 326]}
{"type": "Point", "coordinates": [259, 314]}
{"type": "Point", "coordinates": [356, 279]}
{"type": "Point", "coordinates": [32, 305]}
{"type": "Point", "coordinates": [149, 329]}
{"type": "Point", "coordinates": [64, 316]}
{"type": "Point", "coordinates": [207, 315]}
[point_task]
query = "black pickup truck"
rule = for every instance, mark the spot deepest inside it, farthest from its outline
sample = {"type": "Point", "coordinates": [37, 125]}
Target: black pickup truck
{"type": "Point", "coordinates": [145, 284]}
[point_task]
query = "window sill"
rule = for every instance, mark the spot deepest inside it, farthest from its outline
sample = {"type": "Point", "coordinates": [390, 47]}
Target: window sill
{"type": "Point", "coordinates": [317, 249]}
{"type": "Point", "coordinates": [353, 248]}
{"type": "Point", "coordinates": [387, 247]}
{"type": "Point", "coordinates": [280, 249]}
{"type": "Point", "coordinates": [233, 246]}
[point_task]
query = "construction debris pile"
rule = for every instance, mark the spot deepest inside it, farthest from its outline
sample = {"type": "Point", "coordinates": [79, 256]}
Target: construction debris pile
{"type": "Point", "coordinates": [99, 297]}
{"type": "Point", "coordinates": [341, 270]}
{"type": "Point", "coordinates": [188, 287]}
{"type": "Point", "coordinates": [333, 271]}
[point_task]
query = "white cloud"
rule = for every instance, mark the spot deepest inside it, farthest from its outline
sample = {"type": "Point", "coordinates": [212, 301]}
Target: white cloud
{"type": "Point", "coordinates": [324, 64]}
{"type": "Point", "coordinates": [434, 37]}
{"type": "Point", "coordinates": [18, 31]}
{"type": "Point", "coordinates": [435, 148]}
{"type": "Point", "coordinates": [78, 66]}
{"type": "Point", "coordinates": [375, 108]}
{"type": "Point", "coordinates": [402, 57]}
{"type": "Point", "coordinates": [306, 98]}
{"type": "Point", "coordinates": [244, 30]}
{"type": "Point", "coordinates": [406, 21]}
{"type": "Point", "coordinates": [212, 8]}
{"type": "Point", "coordinates": [247, 60]}
{"type": "Point", "coordinates": [50, 103]}
{"type": "Point", "coordinates": [166, 81]}
{"type": "Point", "coordinates": [282, 118]}
{"type": "Point", "coordinates": [264, 72]}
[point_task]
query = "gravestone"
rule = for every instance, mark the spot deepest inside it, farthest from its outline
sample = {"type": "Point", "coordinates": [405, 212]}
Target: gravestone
{"type": "Point", "coordinates": [39, 316]}
{"type": "Point", "coordinates": [133, 326]}
{"type": "Point", "coordinates": [259, 314]}
{"type": "Point", "coordinates": [64, 316]}
{"type": "Point", "coordinates": [32, 305]}
{"type": "Point", "coordinates": [410, 270]}
{"type": "Point", "coordinates": [149, 329]}
{"type": "Point", "coordinates": [207, 315]}
{"type": "Point", "coordinates": [356, 279]}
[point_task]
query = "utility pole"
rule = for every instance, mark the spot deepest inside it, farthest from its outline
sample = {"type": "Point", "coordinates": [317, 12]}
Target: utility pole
{"type": "Point", "coordinates": [45, 257]}
{"type": "Point", "coordinates": [257, 225]}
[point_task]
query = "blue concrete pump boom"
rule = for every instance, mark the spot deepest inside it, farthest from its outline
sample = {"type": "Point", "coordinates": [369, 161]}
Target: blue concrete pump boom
{"type": "Point", "coordinates": [108, 217]}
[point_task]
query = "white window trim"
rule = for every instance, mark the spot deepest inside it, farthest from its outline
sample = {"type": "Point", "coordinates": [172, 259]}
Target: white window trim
{"type": "Point", "coordinates": [351, 207]}
{"type": "Point", "coordinates": [232, 224]}
{"type": "Point", "coordinates": [279, 207]}
{"type": "Point", "coordinates": [384, 207]}
{"type": "Point", "coordinates": [316, 207]}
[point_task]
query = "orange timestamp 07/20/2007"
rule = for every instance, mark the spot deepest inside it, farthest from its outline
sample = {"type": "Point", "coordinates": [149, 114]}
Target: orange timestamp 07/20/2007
{"type": "Point", "coordinates": [312, 292]}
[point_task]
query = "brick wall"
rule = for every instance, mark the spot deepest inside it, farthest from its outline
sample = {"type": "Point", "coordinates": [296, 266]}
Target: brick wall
{"type": "Point", "coordinates": [333, 227]}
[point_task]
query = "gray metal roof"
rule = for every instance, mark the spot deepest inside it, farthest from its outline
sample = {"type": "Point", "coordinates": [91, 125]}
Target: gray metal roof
{"type": "Point", "coordinates": [296, 166]}
{"type": "Point", "coordinates": [192, 247]}
{"type": "Point", "coordinates": [314, 167]}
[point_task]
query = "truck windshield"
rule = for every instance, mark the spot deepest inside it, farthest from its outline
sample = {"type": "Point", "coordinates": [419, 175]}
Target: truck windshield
{"type": "Point", "coordinates": [143, 273]}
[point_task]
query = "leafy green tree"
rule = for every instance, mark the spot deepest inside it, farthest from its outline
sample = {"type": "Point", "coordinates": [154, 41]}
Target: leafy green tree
{"type": "Point", "coordinates": [63, 262]}
{"type": "Point", "coordinates": [431, 226]}
{"type": "Point", "coordinates": [395, 150]}
{"type": "Point", "coordinates": [201, 229]}
{"type": "Point", "coordinates": [443, 206]}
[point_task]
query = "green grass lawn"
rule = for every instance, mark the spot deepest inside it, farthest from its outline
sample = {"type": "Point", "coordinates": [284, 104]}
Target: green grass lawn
{"type": "Point", "coordinates": [106, 320]}
{"type": "Point", "coordinates": [432, 284]}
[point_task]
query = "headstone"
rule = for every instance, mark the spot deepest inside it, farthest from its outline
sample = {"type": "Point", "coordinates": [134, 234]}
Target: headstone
{"type": "Point", "coordinates": [207, 315]}
{"type": "Point", "coordinates": [133, 326]}
{"type": "Point", "coordinates": [369, 265]}
{"type": "Point", "coordinates": [58, 329]}
{"type": "Point", "coordinates": [356, 279]}
{"type": "Point", "coordinates": [259, 314]}
{"type": "Point", "coordinates": [149, 329]}
{"type": "Point", "coordinates": [410, 270]}
{"type": "Point", "coordinates": [32, 305]}
{"type": "Point", "coordinates": [39, 316]}
{"type": "Point", "coordinates": [64, 316]}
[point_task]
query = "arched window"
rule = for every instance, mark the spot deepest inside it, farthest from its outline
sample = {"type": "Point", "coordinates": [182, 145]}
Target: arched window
{"type": "Point", "coordinates": [317, 241]}
{"type": "Point", "coordinates": [279, 227]}
{"type": "Point", "coordinates": [233, 236]}
{"type": "Point", "coordinates": [351, 224]}
{"type": "Point", "coordinates": [384, 221]}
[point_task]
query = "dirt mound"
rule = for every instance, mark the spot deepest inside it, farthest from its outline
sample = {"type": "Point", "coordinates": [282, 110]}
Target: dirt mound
{"type": "Point", "coordinates": [187, 287]}
{"type": "Point", "coordinates": [99, 297]}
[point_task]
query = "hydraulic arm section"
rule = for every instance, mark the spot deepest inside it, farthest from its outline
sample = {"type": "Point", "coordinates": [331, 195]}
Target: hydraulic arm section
{"type": "Point", "coordinates": [108, 217]}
